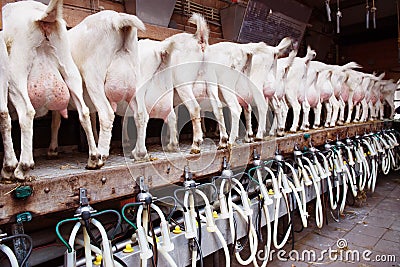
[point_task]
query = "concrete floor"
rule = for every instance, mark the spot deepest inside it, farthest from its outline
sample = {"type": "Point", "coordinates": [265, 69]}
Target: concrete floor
{"type": "Point", "coordinates": [371, 231]}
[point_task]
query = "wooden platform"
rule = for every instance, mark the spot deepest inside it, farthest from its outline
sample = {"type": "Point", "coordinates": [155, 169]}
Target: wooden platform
{"type": "Point", "coordinates": [55, 183]}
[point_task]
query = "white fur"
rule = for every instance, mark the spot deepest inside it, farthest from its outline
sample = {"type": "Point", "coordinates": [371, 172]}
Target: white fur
{"type": "Point", "coordinates": [24, 26]}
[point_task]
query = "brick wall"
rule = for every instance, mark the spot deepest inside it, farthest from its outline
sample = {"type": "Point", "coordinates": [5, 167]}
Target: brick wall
{"type": "Point", "coordinates": [374, 56]}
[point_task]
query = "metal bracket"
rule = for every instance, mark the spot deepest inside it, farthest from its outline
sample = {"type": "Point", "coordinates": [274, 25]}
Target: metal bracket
{"type": "Point", "coordinates": [226, 173]}
{"type": "Point", "coordinates": [256, 158]}
{"type": "Point", "coordinates": [142, 185]}
{"type": "Point", "coordinates": [144, 196]}
{"type": "Point", "coordinates": [83, 203]}
{"type": "Point", "coordinates": [189, 182]}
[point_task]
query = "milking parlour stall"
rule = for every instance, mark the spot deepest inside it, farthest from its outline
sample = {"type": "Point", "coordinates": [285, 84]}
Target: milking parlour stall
{"type": "Point", "coordinates": [199, 133]}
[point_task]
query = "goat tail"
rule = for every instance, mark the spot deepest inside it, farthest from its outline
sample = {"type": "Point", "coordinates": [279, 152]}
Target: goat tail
{"type": "Point", "coordinates": [202, 32]}
{"type": "Point", "coordinates": [351, 65]}
{"type": "Point", "coordinates": [127, 20]}
{"type": "Point", "coordinates": [291, 57]}
{"type": "Point", "coordinates": [283, 44]}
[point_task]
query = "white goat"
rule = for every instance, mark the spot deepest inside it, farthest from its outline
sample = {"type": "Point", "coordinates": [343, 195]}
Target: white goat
{"type": "Point", "coordinates": [42, 70]}
{"type": "Point", "coordinates": [10, 160]}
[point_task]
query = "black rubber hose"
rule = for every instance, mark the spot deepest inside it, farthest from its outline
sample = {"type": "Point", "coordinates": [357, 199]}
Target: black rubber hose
{"type": "Point", "coordinates": [288, 212]}
{"type": "Point", "coordinates": [153, 235]}
{"type": "Point", "coordinates": [200, 251]}
{"type": "Point", "coordinates": [119, 261]}
{"type": "Point", "coordinates": [199, 232]}
{"type": "Point", "coordinates": [173, 209]}
{"type": "Point", "coordinates": [291, 217]}
{"type": "Point", "coordinates": [234, 237]}
{"type": "Point", "coordinates": [246, 238]}
{"type": "Point", "coordinates": [28, 254]}
{"type": "Point", "coordinates": [89, 231]}
{"type": "Point", "coordinates": [118, 220]}
{"type": "Point", "coordinates": [260, 204]}
{"type": "Point", "coordinates": [325, 212]}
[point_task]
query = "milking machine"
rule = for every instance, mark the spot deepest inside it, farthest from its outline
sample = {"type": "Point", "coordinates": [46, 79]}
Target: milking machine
{"type": "Point", "coordinates": [335, 172]}
{"type": "Point", "coordinates": [393, 151]}
{"type": "Point", "coordinates": [230, 182]}
{"type": "Point", "coordinates": [362, 163]}
{"type": "Point", "coordinates": [314, 170]}
{"type": "Point", "coordinates": [85, 216]}
{"type": "Point", "coordinates": [8, 251]}
{"type": "Point", "coordinates": [264, 201]}
{"type": "Point", "coordinates": [341, 149]}
{"type": "Point", "coordinates": [332, 182]}
{"type": "Point", "coordinates": [145, 230]}
{"type": "Point", "coordinates": [372, 159]}
{"type": "Point", "coordinates": [193, 219]}
{"type": "Point", "coordinates": [282, 179]}
{"type": "Point", "coordinates": [340, 177]}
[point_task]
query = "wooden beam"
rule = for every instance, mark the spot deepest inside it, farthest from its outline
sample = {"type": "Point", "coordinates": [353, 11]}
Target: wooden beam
{"type": "Point", "coordinates": [55, 183]}
{"type": "Point", "coordinates": [160, 33]}
{"type": "Point", "coordinates": [73, 16]}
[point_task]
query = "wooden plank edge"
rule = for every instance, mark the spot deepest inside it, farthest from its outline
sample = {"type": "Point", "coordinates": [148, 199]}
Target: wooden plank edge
{"type": "Point", "coordinates": [60, 194]}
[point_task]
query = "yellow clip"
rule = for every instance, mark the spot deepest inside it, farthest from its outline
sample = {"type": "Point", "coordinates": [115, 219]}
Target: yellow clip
{"type": "Point", "coordinates": [177, 230]}
{"type": "Point", "coordinates": [128, 248]}
{"type": "Point", "coordinates": [271, 192]}
{"type": "Point", "coordinates": [365, 154]}
{"type": "Point", "coordinates": [197, 224]}
{"type": "Point", "coordinates": [344, 162]}
{"type": "Point", "coordinates": [215, 214]}
{"type": "Point", "coordinates": [369, 153]}
{"type": "Point", "coordinates": [157, 239]}
{"type": "Point", "coordinates": [260, 196]}
{"type": "Point", "coordinates": [330, 169]}
{"type": "Point", "coordinates": [98, 260]}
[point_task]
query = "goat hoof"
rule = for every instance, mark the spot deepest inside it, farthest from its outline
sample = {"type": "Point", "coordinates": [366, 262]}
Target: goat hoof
{"type": "Point", "coordinates": [139, 156]}
{"type": "Point", "coordinates": [195, 151]}
{"type": "Point", "coordinates": [22, 169]}
{"type": "Point", "coordinates": [224, 140]}
{"type": "Point", "coordinates": [222, 146]}
{"type": "Point", "coordinates": [94, 162]}
{"type": "Point", "coordinates": [340, 123]}
{"type": "Point", "coordinates": [52, 153]}
{"type": "Point", "coordinates": [26, 166]}
{"type": "Point", "coordinates": [258, 139]}
{"type": "Point", "coordinates": [280, 133]}
{"type": "Point", "coordinates": [172, 148]}
{"type": "Point", "coordinates": [7, 171]}
{"type": "Point", "coordinates": [19, 175]}
{"type": "Point", "coordinates": [248, 139]}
